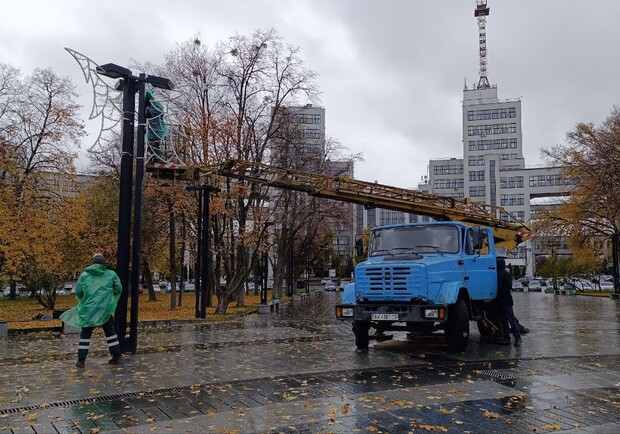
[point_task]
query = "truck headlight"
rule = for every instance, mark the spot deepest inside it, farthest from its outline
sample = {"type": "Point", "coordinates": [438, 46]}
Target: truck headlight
{"type": "Point", "coordinates": [435, 313]}
{"type": "Point", "coordinates": [431, 313]}
{"type": "Point", "coordinates": [347, 312]}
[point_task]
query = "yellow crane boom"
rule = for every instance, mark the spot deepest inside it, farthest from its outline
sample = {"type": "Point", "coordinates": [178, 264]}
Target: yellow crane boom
{"type": "Point", "coordinates": [374, 195]}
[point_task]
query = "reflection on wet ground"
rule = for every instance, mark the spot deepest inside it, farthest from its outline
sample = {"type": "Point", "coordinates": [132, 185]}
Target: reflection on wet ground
{"type": "Point", "coordinates": [298, 370]}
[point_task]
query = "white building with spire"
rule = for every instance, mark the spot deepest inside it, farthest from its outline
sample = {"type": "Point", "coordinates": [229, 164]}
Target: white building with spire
{"type": "Point", "coordinates": [491, 168]}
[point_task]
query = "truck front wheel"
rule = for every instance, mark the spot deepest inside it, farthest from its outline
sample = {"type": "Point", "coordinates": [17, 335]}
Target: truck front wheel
{"type": "Point", "coordinates": [457, 328]}
{"type": "Point", "coordinates": [360, 329]}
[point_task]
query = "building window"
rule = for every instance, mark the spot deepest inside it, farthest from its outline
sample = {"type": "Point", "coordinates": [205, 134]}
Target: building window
{"type": "Point", "coordinates": [477, 191]}
{"type": "Point", "coordinates": [372, 217]}
{"type": "Point", "coordinates": [483, 115]}
{"type": "Point", "coordinates": [509, 167]}
{"type": "Point", "coordinates": [476, 175]}
{"type": "Point", "coordinates": [448, 169]}
{"type": "Point", "coordinates": [312, 133]}
{"type": "Point", "coordinates": [549, 181]}
{"type": "Point", "coordinates": [443, 184]}
{"type": "Point", "coordinates": [512, 199]}
{"type": "Point", "coordinates": [476, 160]}
{"type": "Point", "coordinates": [517, 216]}
{"type": "Point", "coordinates": [486, 130]}
{"type": "Point", "coordinates": [511, 182]}
{"type": "Point", "coordinates": [487, 145]}
{"type": "Point", "coordinates": [307, 118]}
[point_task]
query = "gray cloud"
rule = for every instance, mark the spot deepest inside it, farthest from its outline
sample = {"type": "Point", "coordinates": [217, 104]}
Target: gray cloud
{"type": "Point", "coordinates": [391, 72]}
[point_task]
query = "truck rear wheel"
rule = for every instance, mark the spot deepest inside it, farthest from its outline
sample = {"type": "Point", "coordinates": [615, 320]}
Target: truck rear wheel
{"type": "Point", "coordinates": [360, 329]}
{"type": "Point", "coordinates": [457, 328]}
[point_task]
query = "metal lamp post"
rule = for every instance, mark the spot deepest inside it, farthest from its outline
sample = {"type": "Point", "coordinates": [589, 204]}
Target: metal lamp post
{"type": "Point", "coordinates": [265, 271]}
{"type": "Point", "coordinates": [203, 257]}
{"type": "Point", "coordinates": [130, 84]}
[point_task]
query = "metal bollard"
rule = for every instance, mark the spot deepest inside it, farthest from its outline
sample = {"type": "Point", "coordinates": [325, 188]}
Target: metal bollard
{"type": "Point", "coordinates": [4, 329]}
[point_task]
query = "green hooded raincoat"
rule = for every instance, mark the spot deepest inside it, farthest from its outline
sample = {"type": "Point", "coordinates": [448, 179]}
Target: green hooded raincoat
{"type": "Point", "coordinates": [97, 290]}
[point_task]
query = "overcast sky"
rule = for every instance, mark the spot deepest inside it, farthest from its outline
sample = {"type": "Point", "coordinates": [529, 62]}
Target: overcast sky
{"type": "Point", "coordinates": [391, 72]}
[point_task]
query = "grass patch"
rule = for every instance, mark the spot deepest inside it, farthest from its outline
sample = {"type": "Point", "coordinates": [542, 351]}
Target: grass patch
{"type": "Point", "coordinates": [19, 312]}
{"type": "Point", "coordinates": [595, 293]}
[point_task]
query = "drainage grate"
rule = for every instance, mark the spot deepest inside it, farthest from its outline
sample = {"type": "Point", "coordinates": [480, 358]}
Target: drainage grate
{"type": "Point", "coordinates": [502, 375]}
{"type": "Point", "coordinates": [222, 384]}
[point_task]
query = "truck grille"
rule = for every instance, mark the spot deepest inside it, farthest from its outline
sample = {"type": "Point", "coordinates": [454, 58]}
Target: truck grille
{"type": "Point", "coordinates": [398, 282]}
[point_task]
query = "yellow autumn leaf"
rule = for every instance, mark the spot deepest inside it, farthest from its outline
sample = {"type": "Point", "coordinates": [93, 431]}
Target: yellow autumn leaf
{"type": "Point", "coordinates": [443, 410]}
{"type": "Point", "coordinates": [433, 428]}
{"type": "Point", "coordinates": [490, 415]}
{"type": "Point", "coordinates": [552, 427]}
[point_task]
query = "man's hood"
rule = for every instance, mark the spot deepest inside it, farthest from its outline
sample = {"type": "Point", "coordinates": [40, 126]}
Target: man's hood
{"type": "Point", "coordinates": [96, 269]}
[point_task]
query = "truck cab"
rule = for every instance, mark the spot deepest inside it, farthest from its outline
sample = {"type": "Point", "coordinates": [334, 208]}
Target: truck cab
{"type": "Point", "coordinates": [422, 277]}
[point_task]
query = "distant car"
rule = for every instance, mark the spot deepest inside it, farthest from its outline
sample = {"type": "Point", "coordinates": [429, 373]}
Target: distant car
{"type": "Point", "coordinates": [330, 286]}
{"type": "Point", "coordinates": [270, 283]}
{"type": "Point", "coordinates": [606, 285]}
{"type": "Point", "coordinates": [163, 284]}
{"type": "Point", "coordinates": [578, 284]}
{"type": "Point", "coordinates": [517, 286]}
{"type": "Point", "coordinates": [342, 284]}
{"type": "Point", "coordinates": [534, 286]}
{"type": "Point", "coordinates": [61, 291]}
{"type": "Point", "coordinates": [326, 280]}
{"type": "Point", "coordinates": [190, 287]}
{"type": "Point", "coordinates": [6, 292]}
{"type": "Point", "coordinates": [169, 287]}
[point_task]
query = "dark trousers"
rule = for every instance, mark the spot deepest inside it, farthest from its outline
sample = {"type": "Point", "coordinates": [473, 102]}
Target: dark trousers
{"type": "Point", "coordinates": [508, 319]}
{"type": "Point", "coordinates": [110, 334]}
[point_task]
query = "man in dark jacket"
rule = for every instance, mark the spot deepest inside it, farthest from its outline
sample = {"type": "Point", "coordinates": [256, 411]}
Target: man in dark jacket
{"type": "Point", "coordinates": [505, 305]}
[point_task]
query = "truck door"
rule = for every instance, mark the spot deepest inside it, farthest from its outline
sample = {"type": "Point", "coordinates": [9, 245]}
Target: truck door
{"type": "Point", "coordinates": [479, 264]}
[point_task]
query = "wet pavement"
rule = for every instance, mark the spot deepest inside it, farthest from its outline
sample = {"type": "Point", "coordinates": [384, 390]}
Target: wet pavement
{"type": "Point", "coordinates": [299, 371]}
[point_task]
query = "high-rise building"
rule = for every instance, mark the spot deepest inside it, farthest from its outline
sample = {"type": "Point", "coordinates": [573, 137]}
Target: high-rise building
{"type": "Point", "coordinates": [300, 144]}
{"type": "Point", "coordinates": [300, 140]}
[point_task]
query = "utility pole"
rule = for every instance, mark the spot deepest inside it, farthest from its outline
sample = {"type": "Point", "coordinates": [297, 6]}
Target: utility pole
{"type": "Point", "coordinates": [130, 84]}
{"type": "Point", "coordinates": [203, 256]}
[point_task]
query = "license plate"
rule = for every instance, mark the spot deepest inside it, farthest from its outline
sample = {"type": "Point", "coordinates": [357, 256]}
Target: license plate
{"type": "Point", "coordinates": [384, 316]}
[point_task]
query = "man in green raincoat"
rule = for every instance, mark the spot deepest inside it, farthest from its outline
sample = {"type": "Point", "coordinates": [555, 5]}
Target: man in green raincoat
{"type": "Point", "coordinates": [97, 291]}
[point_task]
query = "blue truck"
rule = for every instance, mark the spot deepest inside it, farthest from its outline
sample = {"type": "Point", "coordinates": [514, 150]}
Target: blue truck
{"type": "Point", "coordinates": [421, 278]}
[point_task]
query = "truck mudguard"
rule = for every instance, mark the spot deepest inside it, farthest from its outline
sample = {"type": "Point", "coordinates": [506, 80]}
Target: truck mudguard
{"type": "Point", "coordinates": [348, 296]}
{"type": "Point", "coordinates": [449, 292]}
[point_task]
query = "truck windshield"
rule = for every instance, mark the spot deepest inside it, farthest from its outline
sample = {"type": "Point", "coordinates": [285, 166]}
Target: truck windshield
{"type": "Point", "coordinates": [414, 239]}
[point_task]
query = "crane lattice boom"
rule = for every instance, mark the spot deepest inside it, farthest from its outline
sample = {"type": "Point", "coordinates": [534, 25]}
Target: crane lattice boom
{"type": "Point", "coordinates": [374, 195]}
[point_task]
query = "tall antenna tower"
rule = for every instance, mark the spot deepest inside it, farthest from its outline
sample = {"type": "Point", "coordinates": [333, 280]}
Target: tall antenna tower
{"type": "Point", "coordinates": [481, 12]}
